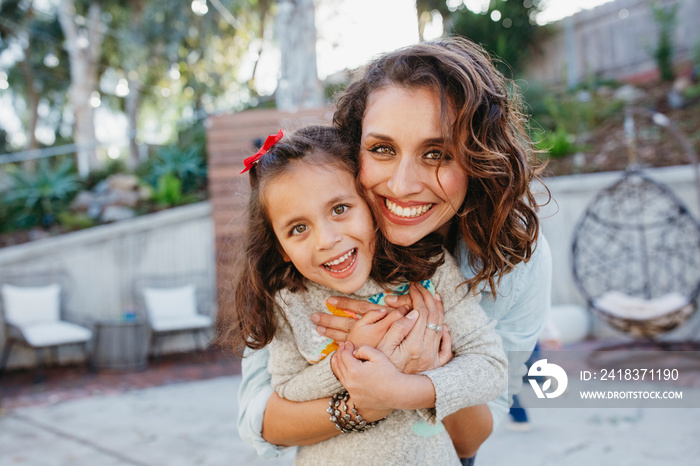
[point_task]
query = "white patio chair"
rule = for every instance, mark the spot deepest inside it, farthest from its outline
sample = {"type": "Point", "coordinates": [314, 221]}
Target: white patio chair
{"type": "Point", "coordinates": [174, 304]}
{"type": "Point", "coordinates": [35, 313]}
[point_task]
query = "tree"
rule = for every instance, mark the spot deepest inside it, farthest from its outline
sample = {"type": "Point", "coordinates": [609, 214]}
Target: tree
{"type": "Point", "coordinates": [425, 8]}
{"type": "Point", "coordinates": [507, 29]}
{"type": "Point", "coordinates": [41, 73]}
{"type": "Point", "coordinates": [174, 64]}
{"type": "Point", "coordinates": [83, 43]}
{"type": "Point", "coordinates": [299, 86]}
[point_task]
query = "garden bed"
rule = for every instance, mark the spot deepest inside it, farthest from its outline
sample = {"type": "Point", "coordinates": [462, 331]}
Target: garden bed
{"type": "Point", "coordinates": [604, 147]}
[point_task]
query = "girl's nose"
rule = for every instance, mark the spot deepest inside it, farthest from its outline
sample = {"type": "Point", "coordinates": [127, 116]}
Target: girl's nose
{"type": "Point", "coordinates": [328, 235]}
{"type": "Point", "coordinates": [404, 180]}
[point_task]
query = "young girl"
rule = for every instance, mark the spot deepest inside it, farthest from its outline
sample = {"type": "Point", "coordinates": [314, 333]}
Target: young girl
{"type": "Point", "coordinates": [311, 234]}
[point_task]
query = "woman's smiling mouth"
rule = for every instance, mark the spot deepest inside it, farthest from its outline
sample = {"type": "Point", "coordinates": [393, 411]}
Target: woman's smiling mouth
{"type": "Point", "coordinates": [407, 212]}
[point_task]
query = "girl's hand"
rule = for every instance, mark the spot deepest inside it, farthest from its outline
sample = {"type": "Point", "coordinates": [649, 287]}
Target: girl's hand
{"type": "Point", "coordinates": [371, 383]}
{"type": "Point", "coordinates": [338, 328]}
{"type": "Point", "coordinates": [422, 349]}
{"type": "Point", "coordinates": [371, 328]}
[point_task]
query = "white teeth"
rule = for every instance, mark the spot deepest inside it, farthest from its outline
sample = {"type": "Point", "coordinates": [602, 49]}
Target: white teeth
{"type": "Point", "coordinates": [345, 257]}
{"type": "Point", "coordinates": [407, 212]}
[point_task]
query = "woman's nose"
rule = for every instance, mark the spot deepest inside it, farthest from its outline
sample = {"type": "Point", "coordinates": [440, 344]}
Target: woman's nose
{"type": "Point", "coordinates": [404, 181]}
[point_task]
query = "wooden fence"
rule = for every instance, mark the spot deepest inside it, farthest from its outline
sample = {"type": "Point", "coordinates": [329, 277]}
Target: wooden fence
{"type": "Point", "coordinates": [230, 139]}
{"type": "Point", "coordinates": [613, 41]}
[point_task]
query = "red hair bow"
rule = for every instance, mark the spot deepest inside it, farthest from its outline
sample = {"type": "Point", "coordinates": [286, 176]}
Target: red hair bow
{"type": "Point", "coordinates": [269, 142]}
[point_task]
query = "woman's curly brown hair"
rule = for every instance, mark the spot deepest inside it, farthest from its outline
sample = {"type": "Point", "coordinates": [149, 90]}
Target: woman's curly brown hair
{"type": "Point", "coordinates": [483, 129]}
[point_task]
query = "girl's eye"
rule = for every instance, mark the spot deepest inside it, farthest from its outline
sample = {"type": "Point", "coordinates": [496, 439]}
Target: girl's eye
{"type": "Point", "coordinates": [299, 229]}
{"type": "Point", "coordinates": [340, 209]}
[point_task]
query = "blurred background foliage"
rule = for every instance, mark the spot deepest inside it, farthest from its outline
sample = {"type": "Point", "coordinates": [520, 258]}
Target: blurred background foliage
{"type": "Point", "coordinates": [164, 65]}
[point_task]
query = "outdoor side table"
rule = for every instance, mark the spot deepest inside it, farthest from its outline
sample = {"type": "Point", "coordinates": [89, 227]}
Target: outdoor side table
{"type": "Point", "coordinates": [120, 345]}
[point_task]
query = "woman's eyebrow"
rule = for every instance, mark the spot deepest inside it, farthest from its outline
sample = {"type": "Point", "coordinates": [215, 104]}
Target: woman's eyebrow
{"type": "Point", "coordinates": [379, 136]}
{"type": "Point", "coordinates": [434, 141]}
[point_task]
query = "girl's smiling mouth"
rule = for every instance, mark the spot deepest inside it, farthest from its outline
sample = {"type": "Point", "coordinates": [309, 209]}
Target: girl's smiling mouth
{"type": "Point", "coordinates": [342, 263]}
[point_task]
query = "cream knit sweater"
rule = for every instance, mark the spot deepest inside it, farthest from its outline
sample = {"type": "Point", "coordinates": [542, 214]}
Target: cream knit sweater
{"type": "Point", "coordinates": [477, 374]}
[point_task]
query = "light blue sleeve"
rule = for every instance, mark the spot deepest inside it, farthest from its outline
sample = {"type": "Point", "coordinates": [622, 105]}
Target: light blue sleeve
{"type": "Point", "coordinates": [254, 392]}
{"type": "Point", "coordinates": [521, 310]}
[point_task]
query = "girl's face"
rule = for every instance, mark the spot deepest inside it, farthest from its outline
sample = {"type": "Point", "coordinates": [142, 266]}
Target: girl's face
{"type": "Point", "coordinates": [322, 224]}
{"type": "Point", "coordinates": [399, 153]}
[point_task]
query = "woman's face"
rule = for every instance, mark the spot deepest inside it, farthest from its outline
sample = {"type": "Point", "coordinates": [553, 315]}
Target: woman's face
{"type": "Point", "coordinates": [399, 154]}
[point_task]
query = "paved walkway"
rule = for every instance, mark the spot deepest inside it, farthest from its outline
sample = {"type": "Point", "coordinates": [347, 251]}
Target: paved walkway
{"type": "Point", "coordinates": [193, 423]}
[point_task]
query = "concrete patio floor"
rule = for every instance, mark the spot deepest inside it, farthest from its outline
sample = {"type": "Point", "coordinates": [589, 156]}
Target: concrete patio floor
{"type": "Point", "coordinates": [193, 423]}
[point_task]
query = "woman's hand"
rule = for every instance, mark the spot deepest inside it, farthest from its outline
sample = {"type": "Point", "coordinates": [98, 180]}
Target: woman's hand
{"type": "Point", "coordinates": [338, 328]}
{"type": "Point", "coordinates": [375, 385]}
{"type": "Point", "coordinates": [410, 344]}
{"type": "Point", "coordinates": [368, 382]}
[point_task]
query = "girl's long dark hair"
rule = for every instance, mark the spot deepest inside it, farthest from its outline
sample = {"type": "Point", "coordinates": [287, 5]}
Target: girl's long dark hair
{"type": "Point", "coordinates": [483, 129]}
{"type": "Point", "coordinates": [260, 270]}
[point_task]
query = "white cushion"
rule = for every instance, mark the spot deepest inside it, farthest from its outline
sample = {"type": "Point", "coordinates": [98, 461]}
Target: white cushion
{"type": "Point", "coordinates": [166, 304]}
{"type": "Point", "coordinates": [630, 307]}
{"type": "Point", "coordinates": [182, 323]}
{"type": "Point", "coordinates": [55, 333]}
{"type": "Point", "coordinates": [25, 305]}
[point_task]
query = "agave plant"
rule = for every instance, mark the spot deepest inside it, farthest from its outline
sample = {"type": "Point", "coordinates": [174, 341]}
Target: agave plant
{"type": "Point", "coordinates": [38, 197]}
{"type": "Point", "coordinates": [186, 164]}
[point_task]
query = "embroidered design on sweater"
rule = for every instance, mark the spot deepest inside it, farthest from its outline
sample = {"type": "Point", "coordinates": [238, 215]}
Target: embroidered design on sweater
{"type": "Point", "coordinates": [330, 345]}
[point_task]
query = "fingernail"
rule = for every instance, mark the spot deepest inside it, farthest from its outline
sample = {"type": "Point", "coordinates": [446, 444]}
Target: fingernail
{"type": "Point", "coordinates": [412, 315]}
{"type": "Point", "coordinates": [438, 297]}
{"type": "Point", "coordinates": [391, 299]}
{"type": "Point", "coordinates": [382, 310]}
{"type": "Point", "coordinates": [332, 301]}
{"type": "Point", "coordinates": [315, 318]}
{"type": "Point", "coordinates": [321, 330]}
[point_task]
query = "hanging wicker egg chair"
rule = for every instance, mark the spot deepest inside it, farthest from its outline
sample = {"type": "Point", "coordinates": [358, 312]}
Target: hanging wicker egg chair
{"type": "Point", "coordinates": [636, 256]}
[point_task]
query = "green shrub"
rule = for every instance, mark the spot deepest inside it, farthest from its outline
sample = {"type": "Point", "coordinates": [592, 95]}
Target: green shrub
{"type": "Point", "coordinates": [558, 143]}
{"type": "Point", "coordinates": [72, 221]}
{"type": "Point", "coordinates": [36, 198]}
{"type": "Point", "coordinates": [186, 165]}
{"type": "Point", "coordinates": [168, 191]}
{"type": "Point", "coordinates": [665, 19]}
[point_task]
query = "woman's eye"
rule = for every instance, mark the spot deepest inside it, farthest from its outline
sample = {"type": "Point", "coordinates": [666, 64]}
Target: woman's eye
{"type": "Point", "coordinates": [299, 229]}
{"type": "Point", "coordinates": [340, 209]}
{"type": "Point", "coordinates": [433, 155]}
{"type": "Point", "coordinates": [383, 150]}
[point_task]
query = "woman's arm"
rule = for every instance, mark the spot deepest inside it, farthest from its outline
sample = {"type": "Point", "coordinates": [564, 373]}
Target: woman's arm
{"type": "Point", "coordinates": [307, 422]}
{"type": "Point", "coordinates": [477, 373]}
{"type": "Point", "coordinates": [469, 428]}
{"type": "Point", "coordinates": [292, 376]}
{"type": "Point", "coordinates": [289, 423]}
{"type": "Point", "coordinates": [270, 423]}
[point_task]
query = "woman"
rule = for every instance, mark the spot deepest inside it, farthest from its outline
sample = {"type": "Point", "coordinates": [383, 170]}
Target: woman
{"type": "Point", "coordinates": [442, 149]}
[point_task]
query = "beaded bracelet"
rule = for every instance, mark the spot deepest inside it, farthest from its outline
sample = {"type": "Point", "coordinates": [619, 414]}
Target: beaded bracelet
{"type": "Point", "coordinates": [344, 422]}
